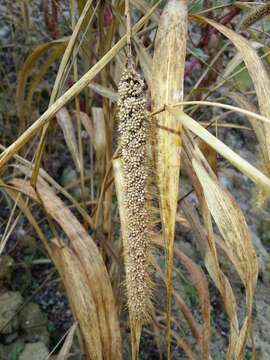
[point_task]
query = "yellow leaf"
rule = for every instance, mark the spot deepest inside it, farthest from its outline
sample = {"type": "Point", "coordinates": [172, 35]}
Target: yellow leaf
{"type": "Point", "coordinates": [167, 87]}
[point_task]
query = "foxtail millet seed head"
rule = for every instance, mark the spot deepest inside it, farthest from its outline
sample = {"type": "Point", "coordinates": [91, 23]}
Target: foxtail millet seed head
{"type": "Point", "coordinates": [135, 141]}
{"type": "Point", "coordinates": [255, 15]}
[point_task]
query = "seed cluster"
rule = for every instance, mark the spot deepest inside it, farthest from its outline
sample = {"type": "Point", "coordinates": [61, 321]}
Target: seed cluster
{"type": "Point", "coordinates": [255, 15]}
{"type": "Point", "coordinates": [134, 138]}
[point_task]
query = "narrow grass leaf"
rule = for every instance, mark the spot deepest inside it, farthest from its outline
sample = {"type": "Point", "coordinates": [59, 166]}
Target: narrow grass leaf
{"type": "Point", "coordinates": [244, 102]}
{"type": "Point", "coordinates": [24, 73]}
{"type": "Point", "coordinates": [68, 52]}
{"type": "Point", "coordinates": [244, 166]}
{"type": "Point", "coordinates": [143, 7]}
{"type": "Point", "coordinates": [103, 91]}
{"type": "Point", "coordinates": [145, 60]}
{"type": "Point", "coordinates": [64, 352]}
{"type": "Point", "coordinates": [36, 81]}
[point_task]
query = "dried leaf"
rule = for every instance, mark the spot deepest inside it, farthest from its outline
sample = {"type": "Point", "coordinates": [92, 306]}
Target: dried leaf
{"type": "Point", "coordinates": [145, 60]}
{"type": "Point", "coordinates": [243, 101]}
{"type": "Point", "coordinates": [208, 246]}
{"type": "Point", "coordinates": [26, 70]}
{"type": "Point", "coordinates": [143, 7]}
{"type": "Point", "coordinates": [65, 122]}
{"type": "Point", "coordinates": [37, 79]}
{"type": "Point", "coordinates": [99, 138]}
{"type": "Point", "coordinates": [84, 275]}
{"type": "Point", "coordinates": [64, 352]}
{"type": "Point", "coordinates": [88, 125]}
{"type": "Point", "coordinates": [167, 87]}
{"type": "Point", "coordinates": [103, 91]}
{"type": "Point", "coordinates": [244, 166]}
{"type": "Point", "coordinates": [231, 223]}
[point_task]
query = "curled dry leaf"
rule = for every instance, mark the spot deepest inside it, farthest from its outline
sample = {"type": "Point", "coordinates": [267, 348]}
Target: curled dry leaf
{"type": "Point", "coordinates": [228, 216]}
{"type": "Point", "coordinates": [84, 275]}
{"type": "Point", "coordinates": [36, 81]}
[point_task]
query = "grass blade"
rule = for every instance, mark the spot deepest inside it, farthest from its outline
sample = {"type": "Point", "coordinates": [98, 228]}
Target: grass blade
{"type": "Point", "coordinates": [244, 166]}
{"type": "Point", "coordinates": [25, 72]}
